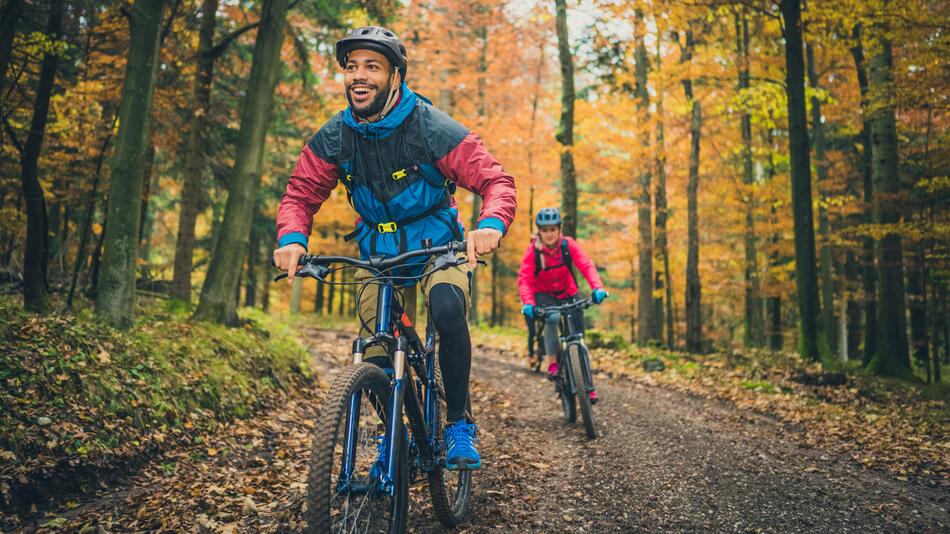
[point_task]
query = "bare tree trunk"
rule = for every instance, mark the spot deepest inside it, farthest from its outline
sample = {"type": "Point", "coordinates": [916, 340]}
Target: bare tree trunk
{"type": "Point", "coordinates": [36, 255]}
{"type": "Point", "coordinates": [253, 251]}
{"type": "Point", "coordinates": [753, 303]}
{"type": "Point", "coordinates": [663, 283]}
{"type": "Point", "coordinates": [774, 302]}
{"type": "Point", "coordinates": [694, 315]}
{"type": "Point", "coordinates": [812, 345]}
{"type": "Point", "coordinates": [482, 33]}
{"type": "Point", "coordinates": [645, 304]}
{"type": "Point", "coordinates": [9, 17]}
{"type": "Point", "coordinates": [565, 133]}
{"type": "Point", "coordinates": [217, 300]}
{"type": "Point", "coordinates": [824, 225]}
{"type": "Point", "coordinates": [318, 299]}
{"type": "Point", "coordinates": [195, 156]}
{"type": "Point", "coordinates": [892, 356]}
{"type": "Point", "coordinates": [90, 211]}
{"type": "Point", "coordinates": [917, 302]}
{"type": "Point", "coordinates": [868, 270]}
{"type": "Point", "coordinates": [116, 289]}
{"type": "Point", "coordinates": [331, 292]}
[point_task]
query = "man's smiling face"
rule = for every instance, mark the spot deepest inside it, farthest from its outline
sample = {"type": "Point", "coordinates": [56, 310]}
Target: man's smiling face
{"type": "Point", "coordinates": [367, 79]}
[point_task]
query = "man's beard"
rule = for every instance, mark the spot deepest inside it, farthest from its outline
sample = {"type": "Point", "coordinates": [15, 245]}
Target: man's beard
{"type": "Point", "coordinates": [375, 107]}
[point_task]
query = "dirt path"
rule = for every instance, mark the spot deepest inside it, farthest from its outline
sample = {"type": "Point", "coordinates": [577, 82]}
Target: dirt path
{"type": "Point", "coordinates": [665, 462]}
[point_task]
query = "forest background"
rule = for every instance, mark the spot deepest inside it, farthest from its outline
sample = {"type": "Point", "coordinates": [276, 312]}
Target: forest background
{"type": "Point", "coordinates": [745, 174]}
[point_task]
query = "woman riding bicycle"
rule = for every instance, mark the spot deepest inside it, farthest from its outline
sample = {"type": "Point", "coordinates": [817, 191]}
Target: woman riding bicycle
{"type": "Point", "coordinates": [546, 278]}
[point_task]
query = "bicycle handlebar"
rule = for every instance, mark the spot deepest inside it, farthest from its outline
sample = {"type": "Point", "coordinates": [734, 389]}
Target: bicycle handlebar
{"type": "Point", "coordinates": [381, 263]}
{"type": "Point", "coordinates": [579, 304]}
{"type": "Point", "coordinates": [315, 266]}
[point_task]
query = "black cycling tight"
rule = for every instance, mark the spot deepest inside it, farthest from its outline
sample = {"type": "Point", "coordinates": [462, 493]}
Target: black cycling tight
{"type": "Point", "coordinates": [447, 309]}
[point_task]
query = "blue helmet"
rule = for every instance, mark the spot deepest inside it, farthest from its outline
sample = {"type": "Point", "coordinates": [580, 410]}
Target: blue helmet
{"type": "Point", "coordinates": [548, 217]}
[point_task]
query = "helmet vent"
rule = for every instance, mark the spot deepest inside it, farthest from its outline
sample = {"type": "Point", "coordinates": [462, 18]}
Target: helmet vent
{"type": "Point", "coordinates": [388, 34]}
{"type": "Point", "coordinates": [365, 31]}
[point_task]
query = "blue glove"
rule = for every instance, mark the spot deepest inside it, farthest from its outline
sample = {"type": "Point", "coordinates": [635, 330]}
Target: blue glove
{"type": "Point", "coordinates": [598, 295]}
{"type": "Point", "coordinates": [528, 310]}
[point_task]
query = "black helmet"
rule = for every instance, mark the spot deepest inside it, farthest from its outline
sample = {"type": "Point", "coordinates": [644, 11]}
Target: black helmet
{"type": "Point", "coordinates": [377, 39]}
{"type": "Point", "coordinates": [548, 217]}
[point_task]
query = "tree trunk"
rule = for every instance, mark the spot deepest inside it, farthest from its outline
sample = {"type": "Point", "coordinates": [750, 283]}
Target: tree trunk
{"type": "Point", "coordinates": [811, 343]}
{"type": "Point", "coordinates": [295, 296]}
{"type": "Point", "coordinates": [344, 289]}
{"type": "Point", "coordinates": [116, 289]}
{"type": "Point", "coordinates": [476, 209]}
{"type": "Point", "coordinates": [774, 303]}
{"type": "Point", "coordinates": [149, 183]}
{"type": "Point", "coordinates": [253, 251]}
{"type": "Point", "coordinates": [663, 283]}
{"type": "Point", "coordinates": [941, 330]}
{"type": "Point", "coordinates": [217, 300]}
{"type": "Point", "coordinates": [824, 225]}
{"type": "Point", "coordinates": [195, 156]}
{"type": "Point", "coordinates": [36, 255]}
{"type": "Point", "coordinates": [891, 357]}
{"type": "Point", "coordinates": [694, 317]}
{"type": "Point", "coordinates": [318, 299]}
{"type": "Point", "coordinates": [868, 270]}
{"type": "Point", "coordinates": [917, 302]}
{"type": "Point", "coordinates": [90, 211]}
{"type": "Point", "coordinates": [565, 133]}
{"type": "Point", "coordinates": [9, 16]}
{"type": "Point", "coordinates": [645, 302]}
{"type": "Point", "coordinates": [753, 303]}
{"type": "Point", "coordinates": [97, 257]}
{"type": "Point", "coordinates": [331, 292]}
{"type": "Point", "coordinates": [854, 306]}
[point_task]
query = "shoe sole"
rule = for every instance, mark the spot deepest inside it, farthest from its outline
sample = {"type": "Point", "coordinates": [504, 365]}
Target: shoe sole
{"type": "Point", "coordinates": [463, 467]}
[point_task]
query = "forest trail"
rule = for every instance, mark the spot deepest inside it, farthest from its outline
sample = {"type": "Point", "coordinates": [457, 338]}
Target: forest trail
{"type": "Point", "coordinates": [665, 461]}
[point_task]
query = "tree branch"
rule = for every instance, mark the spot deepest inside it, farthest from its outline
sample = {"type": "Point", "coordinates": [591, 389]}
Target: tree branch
{"type": "Point", "coordinates": [168, 25]}
{"type": "Point", "coordinates": [12, 134]}
{"type": "Point", "coordinates": [219, 48]}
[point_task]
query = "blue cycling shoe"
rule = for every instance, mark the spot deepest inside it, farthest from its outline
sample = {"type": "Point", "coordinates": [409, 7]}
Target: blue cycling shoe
{"type": "Point", "coordinates": [460, 440]}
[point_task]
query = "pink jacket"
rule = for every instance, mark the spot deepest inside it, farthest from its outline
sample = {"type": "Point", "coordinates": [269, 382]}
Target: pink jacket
{"type": "Point", "coordinates": [555, 279]}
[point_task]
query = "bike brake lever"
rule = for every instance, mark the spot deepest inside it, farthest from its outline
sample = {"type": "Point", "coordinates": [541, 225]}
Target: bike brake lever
{"type": "Point", "coordinates": [308, 270]}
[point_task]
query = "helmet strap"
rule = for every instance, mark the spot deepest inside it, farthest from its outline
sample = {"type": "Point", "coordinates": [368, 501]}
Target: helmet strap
{"type": "Point", "coordinates": [395, 83]}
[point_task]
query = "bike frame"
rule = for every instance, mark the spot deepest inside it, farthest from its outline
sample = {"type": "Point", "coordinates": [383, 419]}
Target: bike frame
{"type": "Point", "coordinates": [395, 332]}
{"type": "Point", "coordinates": [570, 334]}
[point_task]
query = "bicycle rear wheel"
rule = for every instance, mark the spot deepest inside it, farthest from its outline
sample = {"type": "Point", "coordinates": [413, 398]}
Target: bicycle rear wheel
{"type": "Point", "coordinates": [450, 491]}
{"type": "Point", "coordinates": [359, 503]}
{"type": "Point", "coordinates": [583, 398]}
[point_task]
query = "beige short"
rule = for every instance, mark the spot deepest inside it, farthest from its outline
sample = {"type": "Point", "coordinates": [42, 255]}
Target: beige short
{"type": "Point", "coordinates": [459, 276]}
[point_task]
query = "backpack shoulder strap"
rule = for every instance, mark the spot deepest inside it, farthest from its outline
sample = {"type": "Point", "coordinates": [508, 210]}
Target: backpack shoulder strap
{"type": "Point", "coordinates": [567, 259]}
{"type": "Point", "coordinates": [537, 259]}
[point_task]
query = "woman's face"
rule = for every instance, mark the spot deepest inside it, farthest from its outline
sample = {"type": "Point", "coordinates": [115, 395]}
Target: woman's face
{"type": "Point", "coordinates": [550, 234]}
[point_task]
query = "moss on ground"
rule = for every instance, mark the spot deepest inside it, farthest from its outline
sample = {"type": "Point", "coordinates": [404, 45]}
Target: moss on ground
{"type": "Point", "coordinates": [72, 387]}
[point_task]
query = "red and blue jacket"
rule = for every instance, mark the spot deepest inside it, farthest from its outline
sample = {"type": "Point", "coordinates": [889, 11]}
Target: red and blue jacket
{"type": "Point", "coordinates": [554, 277]}
{"type": "Point", "coordinates": [400, 174]}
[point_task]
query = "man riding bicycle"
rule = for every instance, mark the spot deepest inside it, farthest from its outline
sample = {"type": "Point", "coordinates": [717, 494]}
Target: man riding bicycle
{"type": "Point", "coordinates": [400, 159]}
{"type": "Point", "coordinates": [546, 278]}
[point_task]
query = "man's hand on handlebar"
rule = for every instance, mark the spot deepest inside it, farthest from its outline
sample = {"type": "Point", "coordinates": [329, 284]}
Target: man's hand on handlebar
{"type": "Point", "coordinates": [481, 242]}
{"type": "Point", "coordinates": [288, 256]}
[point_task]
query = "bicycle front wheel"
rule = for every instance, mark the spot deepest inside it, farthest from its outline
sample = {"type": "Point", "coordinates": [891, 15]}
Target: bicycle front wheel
{"type": "Point", "coordinates": [583, 397]}
{"type": "Point", "coordinates": [359, 398]}
{"type": "Point", "coordinates": [562, 384]}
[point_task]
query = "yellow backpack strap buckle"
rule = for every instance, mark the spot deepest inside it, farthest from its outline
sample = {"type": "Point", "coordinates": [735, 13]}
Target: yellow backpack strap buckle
{"type": "Point", "coordinates": [385, 228]}
{"type": "Point", "coordinates": [399, 175]}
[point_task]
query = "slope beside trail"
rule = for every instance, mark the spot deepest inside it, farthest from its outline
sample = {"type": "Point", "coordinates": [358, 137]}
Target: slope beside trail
{"type": "Point", "coordinates": [665, 461]}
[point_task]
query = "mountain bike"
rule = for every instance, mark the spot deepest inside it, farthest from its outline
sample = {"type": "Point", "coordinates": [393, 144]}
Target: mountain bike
{"type": "Point", "coordinates": [364, 455]}
{"type": "Point", "coordinates": [573, 380]}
